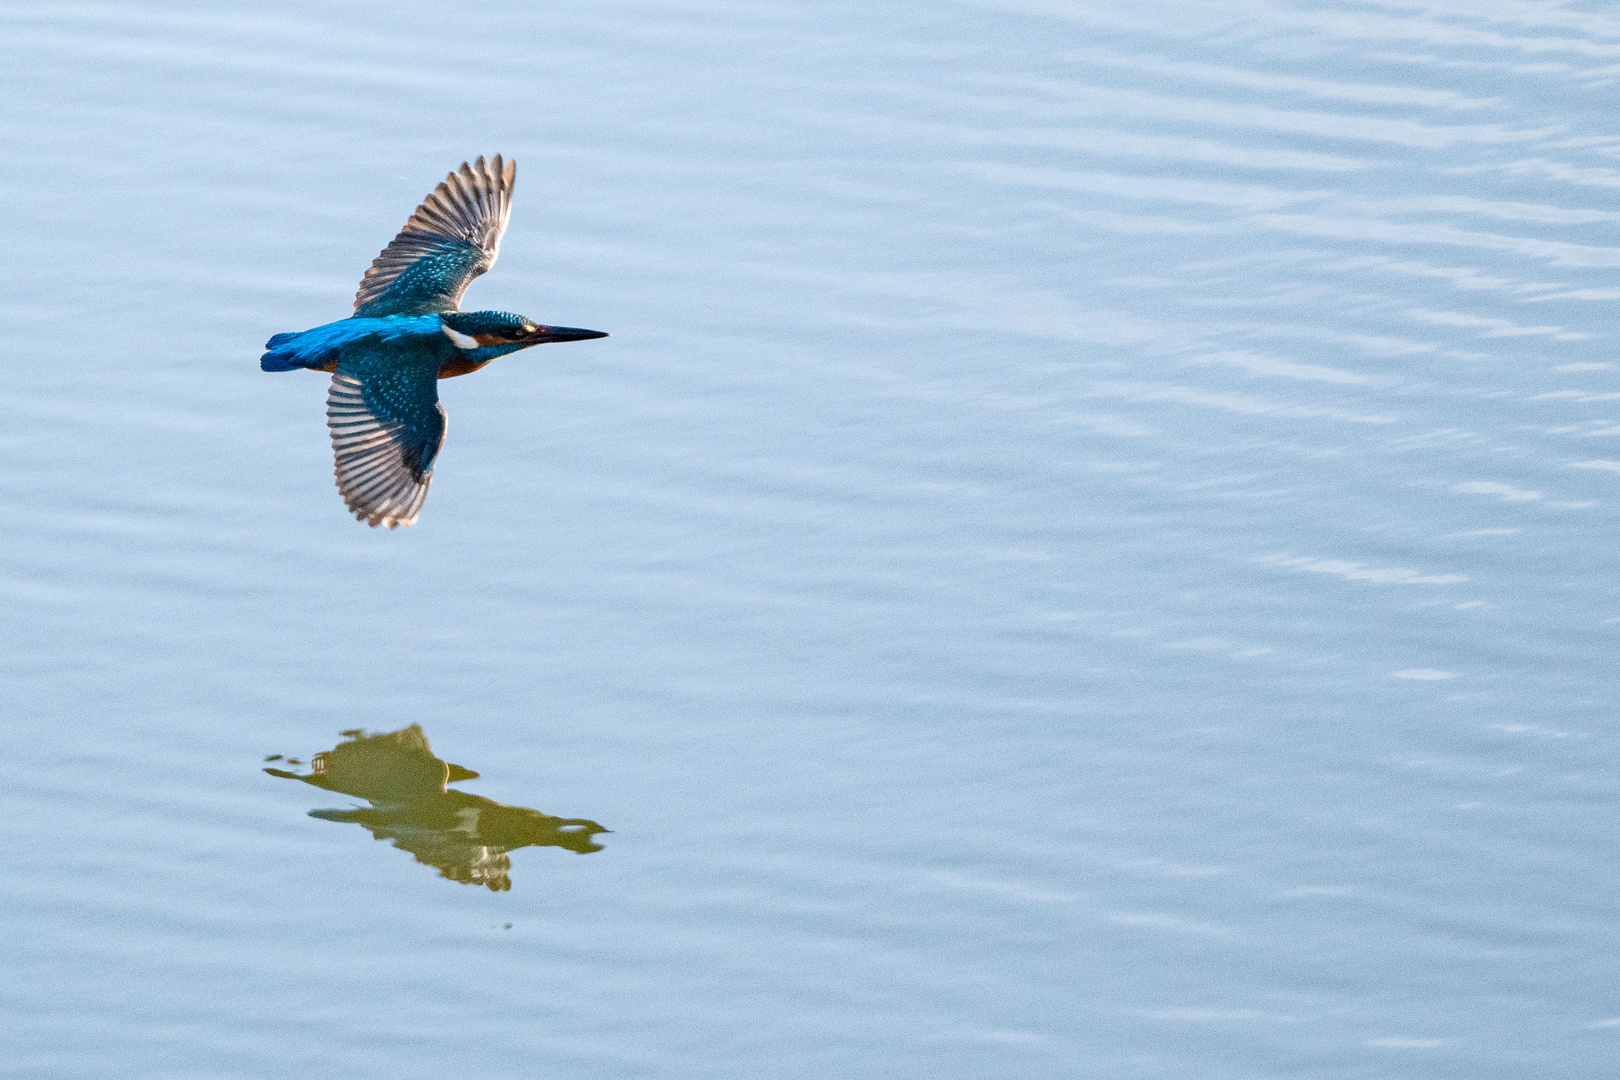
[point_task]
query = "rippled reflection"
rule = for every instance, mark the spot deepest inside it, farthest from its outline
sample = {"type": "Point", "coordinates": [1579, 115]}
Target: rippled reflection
{"type": "Point", "coordinates": [466, 837]}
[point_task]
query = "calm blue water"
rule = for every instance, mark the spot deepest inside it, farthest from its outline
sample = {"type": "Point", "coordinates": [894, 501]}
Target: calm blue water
{"type": "Point", "coordinates": [1090, 553]}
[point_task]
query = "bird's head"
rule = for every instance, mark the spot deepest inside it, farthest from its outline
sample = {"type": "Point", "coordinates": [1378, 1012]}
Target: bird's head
{"type": "Point", "coordinates": [470, 330]}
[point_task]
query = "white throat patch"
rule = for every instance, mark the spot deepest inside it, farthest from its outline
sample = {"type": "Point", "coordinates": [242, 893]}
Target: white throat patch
{"type": "Point", "coordinates": [460, 340]}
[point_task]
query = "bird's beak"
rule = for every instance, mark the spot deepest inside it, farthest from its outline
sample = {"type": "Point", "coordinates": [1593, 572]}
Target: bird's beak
{"type": "Point", "coordinates": [563, 333]}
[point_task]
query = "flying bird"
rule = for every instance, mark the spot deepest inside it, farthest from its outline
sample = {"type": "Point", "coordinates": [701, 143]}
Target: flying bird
{"type": "Point", "coordinates": [407, 332]}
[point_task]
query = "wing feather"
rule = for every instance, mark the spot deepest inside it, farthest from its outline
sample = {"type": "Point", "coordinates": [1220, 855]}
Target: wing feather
{"type": "Point", "coordinates": [386, 434]}
{"type": "Point", "coordinates": [454, 236]}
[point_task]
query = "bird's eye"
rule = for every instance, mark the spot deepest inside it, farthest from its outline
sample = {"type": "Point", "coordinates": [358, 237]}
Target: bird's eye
{"type": "Point", "coordinates": [529, 328]}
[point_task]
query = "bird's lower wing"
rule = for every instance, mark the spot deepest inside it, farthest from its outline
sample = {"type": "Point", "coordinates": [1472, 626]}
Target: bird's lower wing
{"type": "Point", "coordinates": [387, 427]}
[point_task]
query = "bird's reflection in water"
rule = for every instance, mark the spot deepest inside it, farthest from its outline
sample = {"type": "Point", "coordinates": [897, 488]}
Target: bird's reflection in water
{"type": "Point", "coordinates": [466, 837]}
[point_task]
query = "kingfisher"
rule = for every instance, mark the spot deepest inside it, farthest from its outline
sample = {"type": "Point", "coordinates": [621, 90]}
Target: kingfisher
{"type": "Point", "coordinates": [407, 332]}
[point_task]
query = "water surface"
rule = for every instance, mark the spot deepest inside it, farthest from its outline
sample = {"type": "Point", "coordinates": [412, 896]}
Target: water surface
{"type": "Point", "coordinates": [1089, 552]}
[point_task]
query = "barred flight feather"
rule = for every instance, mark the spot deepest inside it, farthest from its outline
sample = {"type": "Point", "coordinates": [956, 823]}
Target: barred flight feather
{"type": "Point", "coordinates": [380, 474]}
{"type": "Point", "coordinates": [457, 231]}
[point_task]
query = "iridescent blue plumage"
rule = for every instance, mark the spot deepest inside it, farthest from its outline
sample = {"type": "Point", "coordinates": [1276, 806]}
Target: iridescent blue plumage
{"type": "Point", "coordinates": [319, 348]}
{"type": "Point", "coordinates": [406, 334]}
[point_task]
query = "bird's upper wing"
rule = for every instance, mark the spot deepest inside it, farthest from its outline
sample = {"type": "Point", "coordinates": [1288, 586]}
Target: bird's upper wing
{"type": "Point", "coordinates": [452, 238]}
{"type": "Point", "coordinates": [387, 427]}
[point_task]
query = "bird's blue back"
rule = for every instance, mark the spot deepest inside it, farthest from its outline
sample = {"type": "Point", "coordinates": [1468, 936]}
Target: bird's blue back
{"type": "Point", "coordinates": [320, 348]}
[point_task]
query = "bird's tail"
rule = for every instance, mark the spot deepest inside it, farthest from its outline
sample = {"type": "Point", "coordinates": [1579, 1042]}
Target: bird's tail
{"type": "Point", "coordinates": [281, 358]}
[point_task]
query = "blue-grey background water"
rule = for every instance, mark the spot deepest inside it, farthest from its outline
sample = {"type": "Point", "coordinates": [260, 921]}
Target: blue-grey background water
{"type": "Point", "coordinates": [1090, 552]}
